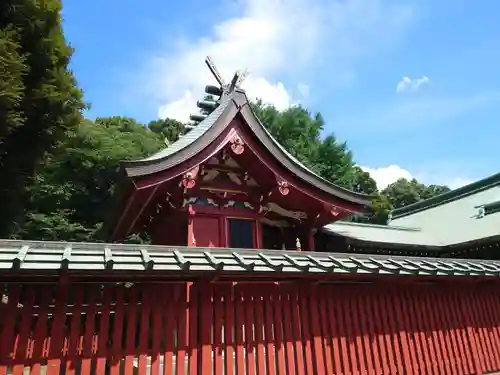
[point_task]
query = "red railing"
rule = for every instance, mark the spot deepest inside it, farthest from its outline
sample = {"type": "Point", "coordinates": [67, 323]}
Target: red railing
{"type": "Point", "coordinates": [254, 329]}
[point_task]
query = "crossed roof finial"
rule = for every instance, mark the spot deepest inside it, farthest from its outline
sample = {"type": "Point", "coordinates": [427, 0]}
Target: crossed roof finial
{"type": "Point", "coordinates": [236, 82]}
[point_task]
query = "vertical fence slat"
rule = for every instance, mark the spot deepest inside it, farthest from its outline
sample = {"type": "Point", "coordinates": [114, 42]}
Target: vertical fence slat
{"type": "Point", "coordinates": [88, 334]}
{"type": "Point", "coordinates": [249, 337]}
{"type": "Point", "coordinates": [390, 348]}
{"type": "Point", "coordinates": [268, 332]}
{"type": "Point", "coordinates": [362, 317]}
{"type": "Point", "coordinates": [478, 312]}
{"type": "Point", "coordinates": [401, 329]}
{"type": "Point", "coordinates": [413, 326]}
{"type": "Point", "coordinates": [296, 332]}
{"type": "Point", "coordinates": [74, 331]}
{"type": "Point", "coordinates": [338, 302]}
{"type": "Point", "coordinates": [357, 335]}
{"type": "Point", "coordinates": [166, 310]}
{"type": "Point", "coordinates": [102, 350]}
{"type": "Point", "coordinates": [423, 334]}
{"type": "Point", "coordinates": [24, 331]}
{"type": "Point", "coordinates": [444, 335]}
{"type": "Point", "coordinates": [418, 342]}
{"type": "Point", "coordinates": [325, 329]}
{"type": "Point", "coordinates": [182, 328]}
{"type": "Point", "coordinates": [117, 331]}
{"type": "Point", "coordinates": [434, 327]}
{"type": "Point", "coordinates": [229, 330]}
{"type": "Point", "coordinates": [334, 333]}
{"type": "Point", "coordinates": [458, 323]}
{"type": "Point", "coordinates": [41, 332]}
{"type": "Point", "coordinates": [470, 334]}
{"type": "Point", "coordinates": [278, 331]}
{"type": "Point", "coordinates": [144, 332]}
{"type": "Point", "coordinates": [315, 318]}
{"type": "Point", "coordinates": [351, 339]}
{"type": "Point", "coordinates": [390, 303]}
{"type": "Point", "coordinates": [205, 329]}
{"type": "Point", "coordinates": [8, 333]}
{"type": "Point", "coordinates": [57, 331]}
{"type": "Point", "coordinates": [287, 331]}
{"type": "Point", "coordinates": [239, 327]}
{"type": "Point", "coordinates": [366, 301]}
{"type": "Point", "coordinates": [160, 331]}
{"type": "Point", "coordinates": [475, 335]}
{"type": "Point", "coordinates": [306, 331]}
{"type": "Point", "coordinates": [218, 327]}
{"type": "Point", "coordinates": [450, 329]}
{"type": "Point", "coordinates": [380, 330]}
{"type": "Point", "coordinates": [194, 321]}
{"type": "Point", "coordinates": [492, 326]}
{"type": "Point", "coordinates": [132, 310]}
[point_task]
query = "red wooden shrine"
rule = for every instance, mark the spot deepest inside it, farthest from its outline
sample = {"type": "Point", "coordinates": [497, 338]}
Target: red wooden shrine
{"type": "Point", "coordinates": [220, 295]}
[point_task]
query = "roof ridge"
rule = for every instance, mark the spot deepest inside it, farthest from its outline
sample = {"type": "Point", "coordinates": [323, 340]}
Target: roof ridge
{"type": "Point", "coordinates": [450, 196]}
{"type": "Point", "coordinates": [377, 226]}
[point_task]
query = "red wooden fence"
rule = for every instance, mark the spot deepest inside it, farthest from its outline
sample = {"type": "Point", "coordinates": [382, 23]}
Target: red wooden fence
{"type": "Point", "coordinates": [254, 329]}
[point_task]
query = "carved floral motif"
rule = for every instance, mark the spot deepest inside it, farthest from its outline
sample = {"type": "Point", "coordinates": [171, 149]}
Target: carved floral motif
{"type": "Point", "coordinates": [237, 145]}
{"type": "Point", "coordinates": [283, 187]}
{"type": "Point", "coordinates": [189, 178]}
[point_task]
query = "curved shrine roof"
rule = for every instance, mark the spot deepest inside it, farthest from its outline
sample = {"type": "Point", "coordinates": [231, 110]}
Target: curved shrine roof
{"type": "Point", "coordinates": [207, 131]}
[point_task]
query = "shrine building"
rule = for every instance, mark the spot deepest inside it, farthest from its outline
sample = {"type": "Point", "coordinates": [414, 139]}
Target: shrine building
{"type": "Point", "coordinates": [253, 270]}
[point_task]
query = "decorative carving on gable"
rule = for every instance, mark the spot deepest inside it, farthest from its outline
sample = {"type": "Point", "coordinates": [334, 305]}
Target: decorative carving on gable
{"type": "Point", "coordinates": [237, 145]}
{"type": "Point", "coordinates": [189, 178]}
{"type": "Point", "coordinates": [283, 186]}
{"type": "Point", "coordinates": [200, 201]}
{"type": "Point", "coordinates": [297, 215]}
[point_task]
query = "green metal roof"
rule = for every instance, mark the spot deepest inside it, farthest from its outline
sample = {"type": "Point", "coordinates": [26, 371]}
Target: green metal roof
{"type": "Point", "coordinates": [19, 256]}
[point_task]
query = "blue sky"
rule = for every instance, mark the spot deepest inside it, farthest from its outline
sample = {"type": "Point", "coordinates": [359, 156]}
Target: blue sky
{"type": "Point", "coordinates": [343, 58]}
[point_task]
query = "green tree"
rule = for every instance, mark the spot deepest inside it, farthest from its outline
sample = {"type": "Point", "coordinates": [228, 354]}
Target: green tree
{"type": "Point", "coordinates": [170, 129]}
{"type": "Point", "coordinates": [72, 194]}
{"type": "Point", "coordinates": [404, 192]}
{"type": "Point", "coordinates": [39, 98]}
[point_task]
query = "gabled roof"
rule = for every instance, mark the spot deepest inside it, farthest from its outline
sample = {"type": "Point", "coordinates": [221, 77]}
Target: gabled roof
{"type": "Point", "coordinates": [39, 256]}
{"type": "Point", "coordinates": [451, 219]}
{"type": "Point", "coordinates": [192, 143]}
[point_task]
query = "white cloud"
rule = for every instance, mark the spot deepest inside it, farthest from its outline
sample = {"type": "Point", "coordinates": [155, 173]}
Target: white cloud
{"type": "Point", "coordinates": [408, 84]}
{"type": "Point", "coordinates": [272, 39]}
{"type": "Point", "coordinates": [384, 176]}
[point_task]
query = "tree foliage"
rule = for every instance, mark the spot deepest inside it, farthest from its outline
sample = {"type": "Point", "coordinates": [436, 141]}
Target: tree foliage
{"type": "Point", "coordinates": [403, 192]}
{"type": "Point", "coordinates": [70, 197]}
{"type": "Point", "coordinates": [39, 99]}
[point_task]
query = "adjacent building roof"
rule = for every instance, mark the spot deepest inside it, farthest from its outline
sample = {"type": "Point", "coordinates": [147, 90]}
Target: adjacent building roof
{"type": "Point", "coordinates": [383, 234]}
{"type": "Point", "coordinates": [455, 218]}
{"type": "Point", "coordinates": [23, 256]}
{"type": "Point", "coordinates": [192, 143]}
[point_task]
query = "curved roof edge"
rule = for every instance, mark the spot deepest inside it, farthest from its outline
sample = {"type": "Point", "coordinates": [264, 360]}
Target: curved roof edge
{"type": "Point", "coordinates": [207, 131]}
{"type": "Point", "coordinates": [450, 196]}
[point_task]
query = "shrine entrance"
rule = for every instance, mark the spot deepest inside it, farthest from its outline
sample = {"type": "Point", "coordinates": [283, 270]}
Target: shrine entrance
{"type": "Point", "coordinates": [248, 328]}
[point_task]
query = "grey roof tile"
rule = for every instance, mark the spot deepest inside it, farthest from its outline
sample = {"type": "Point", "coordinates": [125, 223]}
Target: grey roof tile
{"type": "Point", "coordinates": [92, 257]}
